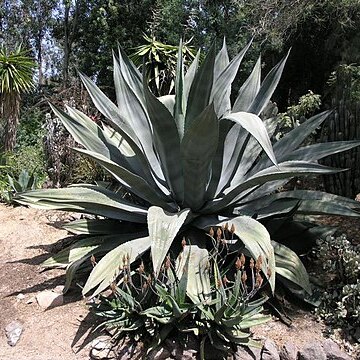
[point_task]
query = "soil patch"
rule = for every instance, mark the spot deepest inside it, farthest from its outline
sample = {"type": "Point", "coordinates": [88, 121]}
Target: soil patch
{"type": "Point", "coordinates": [26, 239]}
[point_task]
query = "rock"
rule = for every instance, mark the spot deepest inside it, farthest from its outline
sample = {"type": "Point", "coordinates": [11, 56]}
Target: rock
{"type": "Point", "coordinates": [13, 332]}
{"type": "Point", "coordinates": [159, 353]}
{"type": "Point", "coordinates": [102, 354]}
{"type": "Point", "coordinates": [101, 348]}
{"type": "Point", "coordinates": [312, 351]}
{"type": "Point", "coordinates": [288, 352]}
{"type": "Point", "coordinates": [269, 351]}
{"type": "Point", "coordinates": [245, 353]}
{"type": "Point", "coordinates": [48, 299]}
{"type": "Point", "coordinates": [20, 296]}
{"type": "Point", "coordinates": [59, 289]}
{"type": "Point", "coordinates": [333, 351]}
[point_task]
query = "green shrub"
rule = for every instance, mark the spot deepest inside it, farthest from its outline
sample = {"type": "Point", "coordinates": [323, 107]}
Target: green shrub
{"type": "Point", "coordinates": [296, 114]}
{"type": "Point", "coordinates": [340, 303]}
{"type": "Point", "coordinates": [13, 186]}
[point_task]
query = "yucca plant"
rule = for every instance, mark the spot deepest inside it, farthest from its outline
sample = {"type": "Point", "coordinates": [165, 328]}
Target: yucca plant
{"type": "Point", "coordinates": [16, 72]}
{"type": "Point", "coordinates": [196, 161]}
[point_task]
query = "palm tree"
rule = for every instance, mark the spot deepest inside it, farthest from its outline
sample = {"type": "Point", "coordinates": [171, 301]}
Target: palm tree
{"type": "Point", "coordinates": [16, 72]}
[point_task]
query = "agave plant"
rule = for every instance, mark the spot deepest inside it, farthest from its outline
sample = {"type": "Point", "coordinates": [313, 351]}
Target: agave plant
{"type": "Point", "coordinates": [196, 161]}
{"type": "Point", "coordinates": [206, 293]}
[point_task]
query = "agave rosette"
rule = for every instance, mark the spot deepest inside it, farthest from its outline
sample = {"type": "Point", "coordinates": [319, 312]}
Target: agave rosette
{"type": "Point", "coordinates": [197, 161]}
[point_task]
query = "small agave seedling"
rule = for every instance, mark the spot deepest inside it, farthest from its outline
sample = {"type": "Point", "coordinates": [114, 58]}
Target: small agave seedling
{"type": "Point", "coordinates": [197, 161]}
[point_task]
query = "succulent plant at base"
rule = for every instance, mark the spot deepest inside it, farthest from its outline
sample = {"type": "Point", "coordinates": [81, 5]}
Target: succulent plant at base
{"type": "Point", "coordinates": [197, 161]}
{"type": "Point", "coordinates": [213, 295]}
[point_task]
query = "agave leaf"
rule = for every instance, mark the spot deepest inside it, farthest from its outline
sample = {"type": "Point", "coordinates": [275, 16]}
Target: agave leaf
{"type": "Point", "coordinates": [310, 207]}
{"type": "Point", "coordinates": [163, 227]}
{"type": "Point", "coordinates": [313, 199]}
{"type": "Point", "coordinates": [290, 266]}
{"type": "Point", "coordinates": [284, 170]}
{"type": "Point", "coordinates": [226, 145]}
{"type": "Point", "coordinates": [71, 271]}
{"type": "Point", "coordinates": [109, 267]}
{"type": "Point", "coordinates": [87, 133]}
{"type": "Point", "coordinates": [250, 153]}
{"type": "Point", "coordinates": [256, 239]}
{"type": "Point", "coordinates": [254, 321]}
{"type": "Point", "coordinates": [118, 140]}
{"type": "Point", "coordinates": [319, 151]}
{"type": "Point", "coordinates": [221, 89]}
{"type": "Point", "coordinates": [221, 61]}
{"type": "Point", "coordinates": [180, 105]}
{"type": "Point", "coordinates": [164, 127]}
{"type": "Point", "coordinates": [92, 137]}
{"type": "Point", "coordinates": [131, 108]}
{"type": "Point", "coordinates": [190, 75]}
{"type": "Point", "coordinates": [158, 313]}
{"type": "Point", "coordinates": [89, 199]}
{"type": "Point", "coordinates": [77, 251]}
{"type": "Point", "coordinates": [23, 180]}
{"type": "Point", "coordinates": [131, 73]}
{"type": "Point", "coordinates": [256, 128]}
{"type": "Point", "coordinates": [197, 150]}
{"type": "Point", "coordinates": [84, 248]}
{"type": "Point", "coordinates": [249, 89]}
{"type": "Point", "coordinates": [268, 87]}
{"type": "Point", "coordinates": [240, 152]}
{"type": "Point", "coordinates": [109, 110]}
{"type": "Point", "coordinates": [292, 140]}
{"type": "Point", "coordinates": [133, 182]}
{"type": "Point", "coordinates": [182, 263]}
{"type": "Point", "coordinates": [194, 265]}
{"type": "Point", "coordinates": [169, 102]}
{"type": "Point", "coordinates": [276, 208]}
{"type": "Point", "coordinates": [98, 227]}
{"type": "Point", "coordinates": [200, 91]}
{"type": "Point", "coordinates": [14, 184]}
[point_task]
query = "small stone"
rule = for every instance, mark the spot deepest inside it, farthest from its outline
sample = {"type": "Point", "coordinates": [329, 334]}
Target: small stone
{"type": "Point", "coordinates": [101, 348]}
{"type": "Point", "coordinates": [333, 351]}
{"type": "Point", "coordinates": [246, 353]}
{"type": "Point", "coordinates": [59, 289]}
{"type": "Point", "coordinates": [158, 354]}
{"type": "Point", "coordinates": [269, 351]}
{"type": "Point", "coordinates": [100, 343]}
{"type": "Point", "coordinates": [48, 299]}
{"type": "Point", "coordinates": [102, 354]}
{"type": "Point", "coordinates": [20, 296]}
{"type": "Point", "coordinates": [31, 300]}
{"type": "Point", "coordinates": [288, 352]}
{"type": "Point", "coordinates": [312, 351]}
{"type": "Point", "coordinates": [13, 332]}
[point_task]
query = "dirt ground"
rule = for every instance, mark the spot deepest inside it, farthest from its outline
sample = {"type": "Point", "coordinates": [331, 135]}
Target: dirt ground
{"type": "Point", "coordinates": [27, 236]}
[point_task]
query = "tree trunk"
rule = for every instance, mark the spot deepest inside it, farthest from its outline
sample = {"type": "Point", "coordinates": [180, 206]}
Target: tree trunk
{"type": "Point", "coordinates": [70, 28]}
{"type": "Point", "coordinates": [11, 115]}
